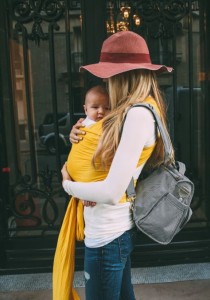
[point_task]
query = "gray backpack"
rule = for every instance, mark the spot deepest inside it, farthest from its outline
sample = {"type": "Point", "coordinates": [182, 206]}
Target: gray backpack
{"type": "Point", "coordinates": [161, 205]}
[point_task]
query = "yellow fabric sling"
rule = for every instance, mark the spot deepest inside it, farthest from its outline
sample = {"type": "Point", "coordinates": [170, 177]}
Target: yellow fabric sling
{"type": "Point", "coordinates": [80, 169]}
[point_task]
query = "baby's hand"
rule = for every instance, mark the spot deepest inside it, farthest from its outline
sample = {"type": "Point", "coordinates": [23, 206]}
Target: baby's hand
{"type": "Point", "coordinates": [88, 203]}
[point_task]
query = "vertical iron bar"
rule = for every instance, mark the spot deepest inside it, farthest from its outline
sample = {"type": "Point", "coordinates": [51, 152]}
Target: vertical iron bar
{"type": "Point", "coordinates": [54, 91]}
{"type": "Point", "coordinates": [84, 35]}
{"type": "Point", "coordinates": [69, 63]}
{"type": "Point", "coordinates": [116, 8]}
{"type": "Point", "coordinates": [190, 47]}
{"type": "Point", "coordinates": [4, 178]}
{"type": "Point", "coordinates": [28, 105]}
{"type": "Point", "coordinates": [84, 12]}
{"type": "Point", "coordinates": [204, 82]}
{"type": "Point", "coordinates": [175, 96]}
{"type": "Point", "coordinates": [7, 86]}
{"type": "Point", "coordinates": [204, 9]}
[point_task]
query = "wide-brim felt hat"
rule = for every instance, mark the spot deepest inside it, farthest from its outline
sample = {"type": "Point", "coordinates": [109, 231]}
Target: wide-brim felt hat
{"type": "Point", "coordinates": [121, 52]}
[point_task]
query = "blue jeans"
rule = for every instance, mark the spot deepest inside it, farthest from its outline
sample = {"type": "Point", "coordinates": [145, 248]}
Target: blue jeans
{"type": "Point", "coordinates": [108, 270]}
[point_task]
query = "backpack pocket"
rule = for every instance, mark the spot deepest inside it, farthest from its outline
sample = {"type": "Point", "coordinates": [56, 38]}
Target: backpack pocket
{"type": "Point", "coordinates": [164, 219]}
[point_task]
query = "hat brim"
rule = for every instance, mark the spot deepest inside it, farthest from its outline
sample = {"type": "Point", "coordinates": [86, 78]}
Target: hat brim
{"type": "Point", "coordinates": [107, 69]}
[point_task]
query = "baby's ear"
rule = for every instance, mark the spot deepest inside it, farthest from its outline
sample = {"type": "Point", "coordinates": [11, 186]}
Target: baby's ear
{"type": "Point", "coordinates": [84, 106]}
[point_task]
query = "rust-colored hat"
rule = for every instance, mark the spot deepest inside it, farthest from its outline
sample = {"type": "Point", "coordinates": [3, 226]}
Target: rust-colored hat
{"type": "Point", "coordinates": [122, 52]}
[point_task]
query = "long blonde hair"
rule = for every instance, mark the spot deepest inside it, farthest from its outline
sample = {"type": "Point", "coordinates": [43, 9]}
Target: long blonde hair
{"type": "Point", "coordinates": [126, 89]}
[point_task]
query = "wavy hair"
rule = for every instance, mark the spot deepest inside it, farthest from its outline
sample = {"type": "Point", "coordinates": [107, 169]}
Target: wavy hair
{"type": "Point", "coordinates": [126, 89]}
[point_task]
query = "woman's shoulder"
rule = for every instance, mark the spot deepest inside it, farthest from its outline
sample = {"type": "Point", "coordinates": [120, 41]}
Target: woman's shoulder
{"type": "Point", "coordinates": [143, 112]}
{"type": "Point", "coordinates": [139, 116]}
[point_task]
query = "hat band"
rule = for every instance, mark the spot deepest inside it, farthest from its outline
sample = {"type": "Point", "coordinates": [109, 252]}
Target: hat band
{"type": "Point", "coordinates": [132, 58]}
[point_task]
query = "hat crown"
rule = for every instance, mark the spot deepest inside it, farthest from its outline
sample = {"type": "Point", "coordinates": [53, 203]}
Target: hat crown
{"type": "Point", "coordinates": [125, 42]}
{"type": "Point", "coordinates": [125, 47]}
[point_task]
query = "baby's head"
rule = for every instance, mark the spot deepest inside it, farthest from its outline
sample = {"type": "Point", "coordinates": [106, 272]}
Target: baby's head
{"type": "Point", "coordinates": [97, 103]}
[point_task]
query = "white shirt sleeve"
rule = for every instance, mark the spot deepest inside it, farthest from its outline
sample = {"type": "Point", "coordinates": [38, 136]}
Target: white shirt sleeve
{"type": "Point", "coordinates": [138, 129]}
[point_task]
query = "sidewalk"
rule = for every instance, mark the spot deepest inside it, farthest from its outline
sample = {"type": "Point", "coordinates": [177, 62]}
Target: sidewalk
{"type": "Point", "coordinates": [185, 290]}
{"type": "Point", "coordinates": [175, 282]}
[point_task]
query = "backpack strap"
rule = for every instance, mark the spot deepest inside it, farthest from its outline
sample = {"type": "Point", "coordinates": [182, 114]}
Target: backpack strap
{"type": "Point", "coordinates": [130, 192]}
{"type": "Point", "coordinates": [164, 135]}
{"type": "Point", "coordinates": [181, 167]}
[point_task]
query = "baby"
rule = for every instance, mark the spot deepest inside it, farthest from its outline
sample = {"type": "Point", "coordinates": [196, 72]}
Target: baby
{"type": "Point", "coordinates": [96, 105]}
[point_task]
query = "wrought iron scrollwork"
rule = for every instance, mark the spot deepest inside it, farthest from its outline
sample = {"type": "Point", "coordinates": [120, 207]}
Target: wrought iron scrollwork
{"type": "Point", "coordinates": [173, 10]}
{"type": "Point", "coordinates": [37, 11]}
{"type": "Point", "coordinates": [33, 207]}
{"type": "Point", "coordinates": [162, 17]}
{"type": "Point", "coordinates": [157, 18]}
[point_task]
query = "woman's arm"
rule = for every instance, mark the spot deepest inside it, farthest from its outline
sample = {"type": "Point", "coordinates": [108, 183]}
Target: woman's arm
{"type": "Point", "coordinates": [138, 129]}
{"type": "Point", "coordinates": [66, 176]}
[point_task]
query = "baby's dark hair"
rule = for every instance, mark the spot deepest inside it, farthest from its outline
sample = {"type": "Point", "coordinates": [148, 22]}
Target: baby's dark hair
{"type": "Point", "coordinates": [100, 89]}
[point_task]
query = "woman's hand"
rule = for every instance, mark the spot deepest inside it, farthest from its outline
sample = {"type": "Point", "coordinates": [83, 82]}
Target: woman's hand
{"type": "Point", "coordinates": [66, 176]}
{"type": "Point", "coordinates": [64, 172]}
{"type": "Point", "coordinates": [88, 203]}
{"type": "Point", "coordinates": [73, 136]}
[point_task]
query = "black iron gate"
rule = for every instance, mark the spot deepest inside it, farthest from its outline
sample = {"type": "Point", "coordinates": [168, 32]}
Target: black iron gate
{"type": "Point", "coordinates": [41, 99]}
{"type": "Point", "coordinates": [43, 44]}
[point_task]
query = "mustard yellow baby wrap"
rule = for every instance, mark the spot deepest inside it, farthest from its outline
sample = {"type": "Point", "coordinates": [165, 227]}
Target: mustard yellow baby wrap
{"type": "Point", "coordinates": [80, 169]}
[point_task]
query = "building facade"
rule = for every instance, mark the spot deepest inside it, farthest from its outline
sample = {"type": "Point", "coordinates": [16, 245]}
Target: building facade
{"type": "Point", "coordinates": [43, 44]}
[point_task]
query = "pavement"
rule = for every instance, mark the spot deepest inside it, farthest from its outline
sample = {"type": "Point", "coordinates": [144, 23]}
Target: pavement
{"type": "Point", "coordinates": [176, 282]}
{"type": "Point", "coordinates": [184, 290]}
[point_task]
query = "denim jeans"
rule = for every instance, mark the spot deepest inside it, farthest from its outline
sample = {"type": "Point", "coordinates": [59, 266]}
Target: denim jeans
{"type": "Point", "coordinates": [108, 270]}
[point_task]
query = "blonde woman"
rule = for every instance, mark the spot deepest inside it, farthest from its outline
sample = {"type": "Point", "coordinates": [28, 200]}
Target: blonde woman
{"type": "Point", "coordinates": [109, 228]}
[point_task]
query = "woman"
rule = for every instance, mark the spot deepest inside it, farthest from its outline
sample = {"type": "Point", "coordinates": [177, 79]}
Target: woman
{"type": "Point", "coordinates": [109, 228]}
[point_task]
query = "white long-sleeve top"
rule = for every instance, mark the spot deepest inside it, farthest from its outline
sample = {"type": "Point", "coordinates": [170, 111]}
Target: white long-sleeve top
{"type": "Point", "coordinates": [108, 219]}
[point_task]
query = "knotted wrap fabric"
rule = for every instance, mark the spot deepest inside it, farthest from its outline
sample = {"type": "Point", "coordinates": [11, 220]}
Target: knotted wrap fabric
{"type": "Point", "coordinates": [80, 169]}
